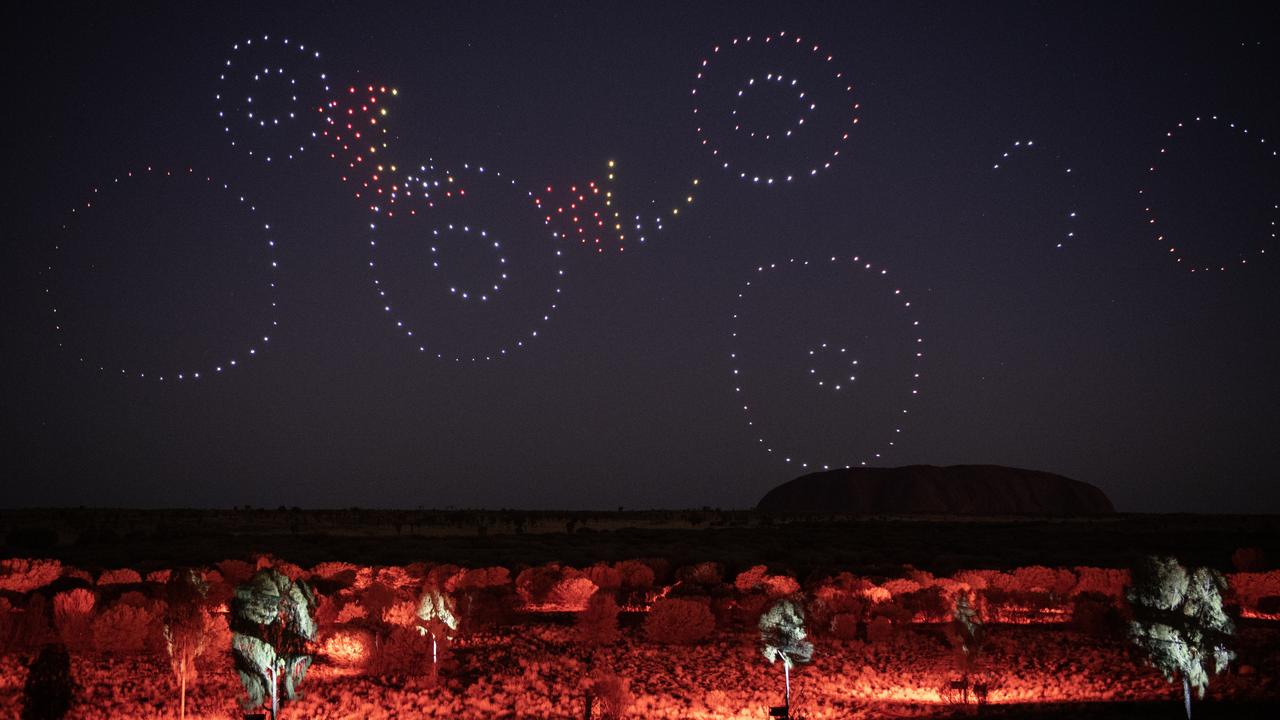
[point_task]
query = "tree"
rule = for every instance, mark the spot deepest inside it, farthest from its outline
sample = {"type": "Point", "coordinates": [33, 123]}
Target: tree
{"type": "Point", "coordinates": [186, 629]}
{"type": "Point", "coordinates": [965, 635]}
{"type": "Point", "coordinates": [782, 638]}
{"type": "Point", "coordinates": [1178, 619]}
{"type": "Point", "coordinates": [438, 618]}
{"type": "Point", "coordinates": [273, 631]}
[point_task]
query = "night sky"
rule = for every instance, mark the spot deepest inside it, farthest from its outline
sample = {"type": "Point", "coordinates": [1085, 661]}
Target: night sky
{"type": "Point", "coordinates": [1078, 345]}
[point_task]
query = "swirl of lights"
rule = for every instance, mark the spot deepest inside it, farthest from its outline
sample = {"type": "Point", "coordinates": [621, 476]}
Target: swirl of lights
{"type": "Point", "coordinates": [748, 71]}
{"type": "Point", "coordinates": [1177, 253]}
{"type": "Point", "coordinates": [825, 380]}
{"type": "Point", "coordinates": [524, 285]}
{"type": "Point", "coordinates": [1070, 216]}
{"type": "Point", "coordinates": [266, 88]}
{"type": "Point", "coordinates": [68, 326]}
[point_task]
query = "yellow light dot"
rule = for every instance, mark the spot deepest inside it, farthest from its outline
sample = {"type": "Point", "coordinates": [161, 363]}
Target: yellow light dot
{"type": "Point", "coordinates": [610, 163]}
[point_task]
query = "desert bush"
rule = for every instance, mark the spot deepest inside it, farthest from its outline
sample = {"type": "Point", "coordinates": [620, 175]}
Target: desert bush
{"type": "Point", "coordinates": [535, 583]}
{"type": "Point", "coordinates": [159, 577]}
{"type": "Point", "coordinates": [73, 617]}
{"type": "Point", "coordinates": [1106, 581]}
{"type": "Point", "coordinates": [844, 626]}
{"type": "Point", "coordinates": [1096, 615]}
{"type": "Point", "coordinates": [24, 575]}
{"type": "Point", "coordinates": [1249, 559]}
{"type": "Point", "coordinates": [635, 575]}
{"type": "Point", "coordinates": [122, 576]}
{"type": "Point", "coordinates": [348, 647]}
{"type": "Point", "coordinates": [571, 594]}
{"type": "Point", "coordinates": [879, 630]}
{"type": "Point", "coordinates": [612, 692]}
{"type": "Point", "coordinates": [234, 572]}
{"type": "Point", "coordinates": [900, 586]}
{"type": "Point", "coordinates": [123, 629]}
{"type": "Point", "coordinates": [705, 575]}
{"type": "Point", "coordinates": [926, 604]}
{"type": "Point", "coordinates": [597, 624]}
{"type": "Point", "coordinates": [605, 577]}
{"type": "Point", "coordinates": [49, 689]}
{"type": "Point", "coordinates": [478, 579]}
{"type": "Point", "coordinates": [678, 621]}
{"type": "Point", "coordinates": [400, 652]}
{"type": "Point", "coordinates": [334, 570]}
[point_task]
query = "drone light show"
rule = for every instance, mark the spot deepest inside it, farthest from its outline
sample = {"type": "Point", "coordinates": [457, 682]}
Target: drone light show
{"type": "Point", "coordinates": [812, 361]}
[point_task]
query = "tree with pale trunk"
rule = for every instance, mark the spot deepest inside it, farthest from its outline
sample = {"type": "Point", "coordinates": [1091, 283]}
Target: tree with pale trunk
{"type": "Point", "coordinates": [1179, 620]}
{"type": "Point", "coordinates": [782, 637]}
{"type": "Point", "coordinates": [187, 628]}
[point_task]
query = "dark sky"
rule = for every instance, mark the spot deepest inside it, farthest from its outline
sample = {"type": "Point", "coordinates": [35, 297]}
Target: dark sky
{"type": "Point", "coordinates": [1104, 359]}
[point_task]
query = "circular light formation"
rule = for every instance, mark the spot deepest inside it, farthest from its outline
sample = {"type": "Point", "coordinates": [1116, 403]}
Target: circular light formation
{"type": "Point", "coordinates": [1265, 238]}
{"type": "Point", "coordinates": [730, 88]}
{"type": "Point", "coordinates": [483, 238]}
{"type": "Point", "coordinates": [1021, 148]}
{"type": "Point", "coordinates": [266, 89]}
{"type": "Point", "coordinates": [70, 328]}
{"type": "Point", "coordinates": [825, 387]}
{"type": "Point", "coordinates": [495, 310]}
{"type": "Point", "coordinates": [846, 366]}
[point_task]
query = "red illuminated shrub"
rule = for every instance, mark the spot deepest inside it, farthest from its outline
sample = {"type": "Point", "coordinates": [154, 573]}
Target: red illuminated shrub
{"type": "Point", "coordinates": [534, 584]}
{"type": "Point", "coordinates": [235, 572]}
{"type": "Point", "coordinates": [1105, 581]}
{"type": "Point", "coordinates": [73, 617]}
{"type": "Point", "coordinates": [758, 579]}
{"type": "Point", "coordinates": [705, 575]}
{"type": "Point", "coordinates": [605, 577]}
{"type": "Point", "coordinates": [678, 621]}
{"type": "Point", "coordinates": [635, 575]}
{"type": "Point", "coordinates": [23, 575]}
{"type": "Point", "coordinates": [571, 594]}
{"type": "Point", "coordinates": [844, 626]}
{"type": "Point", "coordinates": [598, 623]}
{"type": "Point", "coordinates": [401, 652]}
{"type": "Point", "coordinates": [1249, 559]}
{"type": "Point", "coordinates": [123, 629]}
{"type": "Point", "coordinates": [612, 694]}
{"type": "Point", "coordinates": [879, 630]}
{"type": "Point", "coordinates": [123, 576]}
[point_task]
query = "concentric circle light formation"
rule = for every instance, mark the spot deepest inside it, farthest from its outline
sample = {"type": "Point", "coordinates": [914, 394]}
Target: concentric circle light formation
{"type": "Point", "coordinates": [477, 276]}
{"type": "Point", "coordinates": [773, 108]}
{"type": "Point", "coordinates": [1242, 226]}
{"type": "Point", "coordinates": [164, 275]}
{"type": "Point", "coordinates": [1020, 153]}
{"type": "Point", "coordinates": [825, 357]}
{"type": "Point", "coordinates": [267, 90]}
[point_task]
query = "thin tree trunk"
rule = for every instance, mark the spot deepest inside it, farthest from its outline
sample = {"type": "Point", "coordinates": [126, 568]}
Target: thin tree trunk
{"type": "Point", "coordinates": [182, 690]}
{"type": "Point", "coordinates": [786, 675]}
{"type": "Point", "coordinates": [1186, 695]}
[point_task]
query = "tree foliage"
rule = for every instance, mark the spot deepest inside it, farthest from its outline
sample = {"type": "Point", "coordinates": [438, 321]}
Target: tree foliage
{"type": "Point", "coordinates": [271, 618]}
{"type": "Point", "coordinates": [1179, 621]}
{"type": "Point", "coordinates": [782, 635]}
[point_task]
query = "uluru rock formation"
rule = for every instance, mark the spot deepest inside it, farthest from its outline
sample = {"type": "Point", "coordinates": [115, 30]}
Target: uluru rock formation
{"type": "Point", "coordinates": [932, 490]}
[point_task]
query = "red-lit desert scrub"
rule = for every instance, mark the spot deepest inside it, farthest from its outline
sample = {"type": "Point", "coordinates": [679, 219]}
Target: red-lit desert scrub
{"type": "Point", "coordinates": [678, 621]}
{"type": "Point", "coordinates": [22, 575]}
